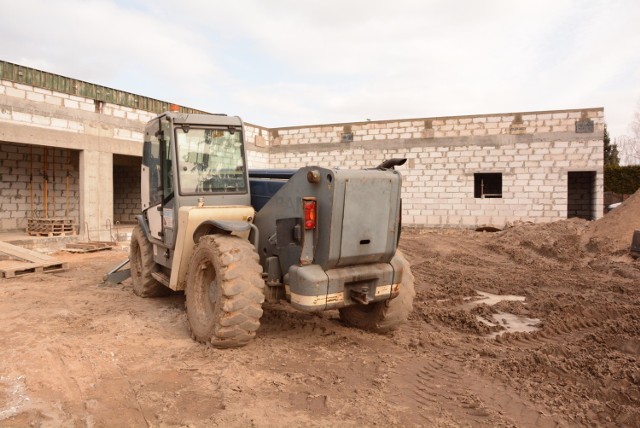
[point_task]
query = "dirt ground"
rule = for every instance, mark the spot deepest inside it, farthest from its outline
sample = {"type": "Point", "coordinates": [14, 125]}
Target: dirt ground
{"type": "Point", "coordinates": [74, 352]}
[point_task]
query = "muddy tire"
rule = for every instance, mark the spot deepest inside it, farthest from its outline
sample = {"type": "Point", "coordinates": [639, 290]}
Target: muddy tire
{"type": "Point", "coordinates": [142, 265]}
{"type": "Point", "coordinates": [382, 317]}
{"type": "Point", "coordinates": [225, 291]}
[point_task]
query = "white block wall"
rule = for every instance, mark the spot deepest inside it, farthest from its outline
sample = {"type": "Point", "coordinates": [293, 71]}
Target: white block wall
{"type": "Point", "coordinates": [534, 152]}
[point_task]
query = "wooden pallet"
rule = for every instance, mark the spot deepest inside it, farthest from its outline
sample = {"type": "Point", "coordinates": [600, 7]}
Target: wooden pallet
{"type": "Point", "coordinates": [89, 247]}
{"type": "Point", "coordinates": [27, 262]}
{"type": "Point", "coordinates": [12, 268]}
{"type": "Point", "coordinates": [49, 227]}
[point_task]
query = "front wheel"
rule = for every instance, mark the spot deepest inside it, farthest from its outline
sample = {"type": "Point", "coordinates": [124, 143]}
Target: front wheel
{"type": "Point", "coordinates": [143, 265]}
{"type": "Point", "coordinates": [382, 317]}
{"type": "Point", "coordinates": [224, 292]}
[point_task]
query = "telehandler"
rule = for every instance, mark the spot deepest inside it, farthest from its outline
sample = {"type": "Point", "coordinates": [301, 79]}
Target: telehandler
{"type": "Point", "coordinates": [318, 238]}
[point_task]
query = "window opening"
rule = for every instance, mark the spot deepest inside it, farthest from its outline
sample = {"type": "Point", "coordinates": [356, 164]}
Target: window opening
{"type": "Point", "coordinates": [487, 185]}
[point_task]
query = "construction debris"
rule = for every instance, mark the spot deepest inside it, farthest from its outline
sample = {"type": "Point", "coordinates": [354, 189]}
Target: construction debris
{"type": "Point", "coordinates": [89, 247]}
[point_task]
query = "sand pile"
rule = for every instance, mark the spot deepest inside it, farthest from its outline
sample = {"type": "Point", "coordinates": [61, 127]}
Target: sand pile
{"type": "Point", "coordinates": [614, 230]}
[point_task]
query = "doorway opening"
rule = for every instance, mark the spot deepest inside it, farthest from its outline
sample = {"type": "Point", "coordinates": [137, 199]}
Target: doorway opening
{"type": "Point", "coordinates": [581, 190]}
{"type": "Point", "coordinates": [126, 189]}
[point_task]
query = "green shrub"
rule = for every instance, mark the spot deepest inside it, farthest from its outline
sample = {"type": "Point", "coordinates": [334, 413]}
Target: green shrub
{"type": "Point", "coordinates": [624, 180]}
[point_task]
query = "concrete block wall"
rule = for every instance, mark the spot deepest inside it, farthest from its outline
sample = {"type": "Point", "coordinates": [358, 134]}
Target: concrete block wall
{"type": "Point", "coordinates": [545, 122]}
{"type": "Point", "coordinates": [126, 193]}
{"type": "Point", "coordinates": [257, 142]}
{"type": "Point", "coordinates": [534, 152]}
{"type": "Point", "coordinates": [22, 170]}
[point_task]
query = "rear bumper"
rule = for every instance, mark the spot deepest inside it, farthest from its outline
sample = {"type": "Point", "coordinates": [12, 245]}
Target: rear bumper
{"type": "Point", "coordinates": [310, 288]}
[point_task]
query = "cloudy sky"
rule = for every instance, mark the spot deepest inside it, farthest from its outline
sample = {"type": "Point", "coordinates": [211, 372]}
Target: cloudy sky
{"type": "Point", "coordinates": [288, 62]}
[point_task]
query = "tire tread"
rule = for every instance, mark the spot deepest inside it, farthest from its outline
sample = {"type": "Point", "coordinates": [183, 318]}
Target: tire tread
{"type": "Point", "coordinates": [236, 315]}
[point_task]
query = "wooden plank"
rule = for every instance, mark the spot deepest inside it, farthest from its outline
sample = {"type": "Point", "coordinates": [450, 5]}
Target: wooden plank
{"type": "Point", "coordinates": [24, 254]}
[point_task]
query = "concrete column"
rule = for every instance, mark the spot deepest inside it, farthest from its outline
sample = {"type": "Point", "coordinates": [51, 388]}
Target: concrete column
{"type": "Point", "coordinates": [96, 194]}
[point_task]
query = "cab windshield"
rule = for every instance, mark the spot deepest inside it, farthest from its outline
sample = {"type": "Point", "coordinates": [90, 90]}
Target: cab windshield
{"type": "Point", "coordinates": [210, 161]}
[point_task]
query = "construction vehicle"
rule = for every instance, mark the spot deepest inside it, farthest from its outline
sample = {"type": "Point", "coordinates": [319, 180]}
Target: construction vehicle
{"type": "Point", "coordinates": [318, 238]}
{"type": "Point", "coordinates": [635, 244]}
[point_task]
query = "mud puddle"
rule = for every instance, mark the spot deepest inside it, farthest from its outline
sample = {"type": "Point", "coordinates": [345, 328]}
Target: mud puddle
{"type": "Point", "coordinates": [508, 322]}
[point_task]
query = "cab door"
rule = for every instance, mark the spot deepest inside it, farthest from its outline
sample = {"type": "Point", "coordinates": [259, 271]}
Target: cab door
{"type": "Point", "coordinates": [157, 174]}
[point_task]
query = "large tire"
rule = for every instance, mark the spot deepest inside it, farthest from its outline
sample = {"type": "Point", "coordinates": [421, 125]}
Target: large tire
{"type": "Point", "coordinates": [142, 266]}
{"type": "Point", "coordinates": [225, 291]}
{"type": "Point", "coordinates": [382, 317]}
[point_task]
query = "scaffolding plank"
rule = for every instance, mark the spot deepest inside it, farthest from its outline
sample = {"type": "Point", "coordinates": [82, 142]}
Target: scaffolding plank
{"type": "Point", "coordinates": [24, 254]}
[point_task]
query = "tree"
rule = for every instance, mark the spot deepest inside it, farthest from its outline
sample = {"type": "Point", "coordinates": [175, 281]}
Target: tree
{"type": "Point", "coordinates": [611, 156]}
{"type": "Point", "coordinates": [629, 145]}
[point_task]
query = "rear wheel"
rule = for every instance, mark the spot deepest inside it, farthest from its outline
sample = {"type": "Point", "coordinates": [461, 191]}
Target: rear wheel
{"type": "Point", "coordinates": [225, 291]}
{"type": "Point", "coordinates": [382, 317]}
{"type": "Point", "coordinates": [142, 266]}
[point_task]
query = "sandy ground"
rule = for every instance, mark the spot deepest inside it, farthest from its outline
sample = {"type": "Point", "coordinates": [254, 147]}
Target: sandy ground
{"type": "Point", "coordinates": [74, 352]}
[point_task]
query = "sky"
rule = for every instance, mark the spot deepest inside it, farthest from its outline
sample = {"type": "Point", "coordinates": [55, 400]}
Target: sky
{"type": "Point", "coordinates": [295, 62]}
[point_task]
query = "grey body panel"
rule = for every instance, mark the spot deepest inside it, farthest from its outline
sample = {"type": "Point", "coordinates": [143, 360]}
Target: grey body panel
{"type": "Point", "coordinates": [358, 215]}
{"type": "Point", "coordinates": [352, 246]}
{"type": "Point", "coordinates": [363, 240]}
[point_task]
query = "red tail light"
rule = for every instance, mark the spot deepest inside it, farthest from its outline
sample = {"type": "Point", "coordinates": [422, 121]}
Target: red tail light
{"type": "Point", "coordinates": [309, 213]}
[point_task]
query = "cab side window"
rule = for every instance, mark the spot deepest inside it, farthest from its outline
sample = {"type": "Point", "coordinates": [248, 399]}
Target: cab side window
{"type": "Point", "coordinates": [165, 140]}
{"type": "Point", "coordinates": [151, 159]}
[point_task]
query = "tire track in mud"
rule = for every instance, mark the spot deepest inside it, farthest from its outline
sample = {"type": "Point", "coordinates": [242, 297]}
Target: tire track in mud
{"type": "Point", "coordinates": [439, 389]}
{"type": "Point", "coordinates": [572, 352]}
{"type": "Point", "coordinates": [566, 331]}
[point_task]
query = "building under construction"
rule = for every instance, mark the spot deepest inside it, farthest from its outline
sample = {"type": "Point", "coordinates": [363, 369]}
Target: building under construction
{"type": "Point", "coordinates": [70, 158]}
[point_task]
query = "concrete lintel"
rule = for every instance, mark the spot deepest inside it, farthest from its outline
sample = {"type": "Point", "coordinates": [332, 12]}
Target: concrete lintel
{"type": "Point", "coordinates": [59, 112]}
{"type": "Point", "coordinates": [32, 135]}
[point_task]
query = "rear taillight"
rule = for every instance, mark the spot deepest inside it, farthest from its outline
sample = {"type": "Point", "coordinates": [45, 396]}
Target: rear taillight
{"type": "Point", "coordinates": [309, 213]}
